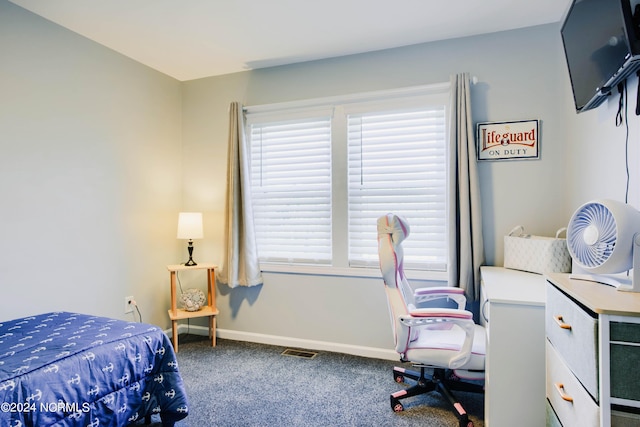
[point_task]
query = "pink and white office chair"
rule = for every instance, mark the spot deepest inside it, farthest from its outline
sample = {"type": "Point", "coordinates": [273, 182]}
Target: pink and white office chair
{"type": "Point", "coordinates": [444, 343]}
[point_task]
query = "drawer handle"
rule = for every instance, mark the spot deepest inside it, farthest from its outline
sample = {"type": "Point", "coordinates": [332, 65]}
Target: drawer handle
{"type": "Point", "coordinates": [563, 395]}
{"type": "Point", "coordinates": [561, 323]}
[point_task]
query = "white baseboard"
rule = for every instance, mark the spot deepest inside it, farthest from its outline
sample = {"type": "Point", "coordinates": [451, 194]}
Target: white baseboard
{"type": "Point", "coordinates": [372, 352]}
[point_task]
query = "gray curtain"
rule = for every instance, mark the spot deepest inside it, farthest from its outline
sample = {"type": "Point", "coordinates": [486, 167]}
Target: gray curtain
{"type": "Point", "coordinates": [466, 253]}
{"type": "Point", "coordinates": [240, 266]}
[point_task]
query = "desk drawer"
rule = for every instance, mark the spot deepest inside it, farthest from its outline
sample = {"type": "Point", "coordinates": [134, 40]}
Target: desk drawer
{"type": "Point", "coordinates": [574, 334]}
{"type": "Point", "coordinates": [625, 360]}
{"type": "Point", "coordinates": [562, 385]}
{"type": "Point", "coordinates": [624, 419]}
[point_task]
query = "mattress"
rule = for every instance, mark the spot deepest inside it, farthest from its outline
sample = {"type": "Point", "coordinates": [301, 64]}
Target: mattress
{"type": "Point", "coordinates": [71, 369]}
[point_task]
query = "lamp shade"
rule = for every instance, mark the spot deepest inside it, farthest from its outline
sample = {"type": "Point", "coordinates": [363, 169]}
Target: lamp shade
{"type": "Point", "coordinates": [190, 225]}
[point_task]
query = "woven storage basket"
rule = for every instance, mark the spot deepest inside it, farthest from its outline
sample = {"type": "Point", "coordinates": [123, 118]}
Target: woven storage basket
{"type": "Point", "coordinates": [536, 254]}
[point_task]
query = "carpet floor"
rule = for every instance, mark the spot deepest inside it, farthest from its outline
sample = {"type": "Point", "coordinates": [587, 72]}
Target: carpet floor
{"type": "Point", "coordinates": [255, 385]}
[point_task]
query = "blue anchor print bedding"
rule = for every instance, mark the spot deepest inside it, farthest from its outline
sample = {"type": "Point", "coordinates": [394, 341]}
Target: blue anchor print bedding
{"type": "Point", "coordinates": [68, 369]}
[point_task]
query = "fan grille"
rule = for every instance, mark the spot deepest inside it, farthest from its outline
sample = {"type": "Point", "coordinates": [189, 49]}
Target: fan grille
{"type": "Point", "coordinates": [588, 249]}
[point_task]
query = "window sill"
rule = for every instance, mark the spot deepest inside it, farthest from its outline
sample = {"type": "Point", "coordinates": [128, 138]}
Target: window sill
{"type": "Point", "coordinates": [314, 270]}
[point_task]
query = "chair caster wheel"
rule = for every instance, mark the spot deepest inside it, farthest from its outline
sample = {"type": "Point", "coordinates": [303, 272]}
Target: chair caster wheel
{"type": "Point", "coordinates": [396, 405]}
{"type": "Point", "coordinates": [466, 423]}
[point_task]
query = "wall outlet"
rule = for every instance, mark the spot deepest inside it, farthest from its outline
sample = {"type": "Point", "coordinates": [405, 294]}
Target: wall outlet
{"type": "Point", "coordinates": [128, 306]}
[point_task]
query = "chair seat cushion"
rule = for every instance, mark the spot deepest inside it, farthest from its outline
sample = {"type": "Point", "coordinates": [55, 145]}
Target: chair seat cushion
{"type": "Point", "coordinates": [436, 347]}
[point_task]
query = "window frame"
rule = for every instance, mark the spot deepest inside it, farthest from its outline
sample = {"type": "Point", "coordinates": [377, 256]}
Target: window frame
{"type": "Point", "coordinates": [338, 105]}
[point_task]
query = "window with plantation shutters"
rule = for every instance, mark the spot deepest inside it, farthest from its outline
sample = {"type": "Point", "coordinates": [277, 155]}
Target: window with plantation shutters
{"type": "Point", "coordinates": [323, 171]}
{"type": "Point", "coordinates": [291, 189]}
{"type": "Point", "coordinates": [397, 163]}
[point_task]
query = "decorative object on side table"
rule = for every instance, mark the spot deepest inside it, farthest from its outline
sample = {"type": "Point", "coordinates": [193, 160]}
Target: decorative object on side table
{"type": "Point", "coordinates": [193, 299]}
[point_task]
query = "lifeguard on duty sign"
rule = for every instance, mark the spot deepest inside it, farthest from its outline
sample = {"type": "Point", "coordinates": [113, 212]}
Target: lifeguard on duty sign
{"type": "Point", "coordinates": [508, 140]}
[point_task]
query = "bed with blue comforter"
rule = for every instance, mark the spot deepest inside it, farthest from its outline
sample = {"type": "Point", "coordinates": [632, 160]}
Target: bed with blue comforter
{"type": "Point", "coordinates": [69, 369]}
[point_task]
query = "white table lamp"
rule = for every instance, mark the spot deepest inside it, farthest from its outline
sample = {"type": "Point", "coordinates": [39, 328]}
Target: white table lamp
{"type": "Point", "coordinates": [189, 228]}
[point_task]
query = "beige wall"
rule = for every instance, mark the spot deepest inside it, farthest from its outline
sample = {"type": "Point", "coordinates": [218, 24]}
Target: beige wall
{"type": "Point", "coordinates": [90, 183]}
{"type": "Point", "coordinates": [595, 160]}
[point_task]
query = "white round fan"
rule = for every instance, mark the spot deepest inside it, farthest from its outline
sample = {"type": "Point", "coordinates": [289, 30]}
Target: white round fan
{"type": "Point", "coordinates": [601, 236]}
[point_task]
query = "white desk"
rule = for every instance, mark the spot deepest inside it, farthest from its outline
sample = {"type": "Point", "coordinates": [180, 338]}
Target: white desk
{"type": "Point", "coordinates": [512, 309]}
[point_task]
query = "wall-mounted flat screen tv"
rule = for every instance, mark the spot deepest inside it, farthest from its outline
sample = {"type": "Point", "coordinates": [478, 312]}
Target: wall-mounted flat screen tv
{"type": "Point", "coordinates": [601, 48]}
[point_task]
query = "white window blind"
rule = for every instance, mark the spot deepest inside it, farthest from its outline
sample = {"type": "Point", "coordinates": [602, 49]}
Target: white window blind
{"type": "Point", "coordinates": [397, 163]}
{"type": "Point", "coordinates": [291, 189]}
{"type": "Point", "coordinates": [324, 170]}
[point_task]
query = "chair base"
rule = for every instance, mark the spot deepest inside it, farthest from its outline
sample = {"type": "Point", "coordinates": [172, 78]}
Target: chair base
{"type": "Point", "coordinates": [443, 381]}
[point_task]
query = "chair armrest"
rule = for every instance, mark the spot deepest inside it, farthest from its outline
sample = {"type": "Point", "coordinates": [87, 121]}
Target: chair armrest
{"type": "Point", "coordinates": [441, 313]}
{"type": "Point", "coordinates": [422, 295]}
{"type": "Point", "coordinates": [442, 318]}
{"type": "Point", "coordinates": [426, 316]}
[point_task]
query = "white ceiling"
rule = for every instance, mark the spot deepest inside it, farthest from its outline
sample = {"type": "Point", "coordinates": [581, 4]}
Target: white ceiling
{"type": "Point", "coordinates": [190, 39]}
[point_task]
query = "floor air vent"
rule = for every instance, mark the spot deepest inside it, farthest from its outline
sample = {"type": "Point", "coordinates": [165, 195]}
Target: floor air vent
{"type": "Point", "coordinates": [305, 354]}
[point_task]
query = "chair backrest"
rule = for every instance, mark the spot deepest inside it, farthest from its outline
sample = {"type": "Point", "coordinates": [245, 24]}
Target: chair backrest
{"type": "Point", "coordinates": [392, 230]}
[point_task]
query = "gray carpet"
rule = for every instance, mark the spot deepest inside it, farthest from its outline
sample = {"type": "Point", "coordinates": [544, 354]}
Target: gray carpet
{"type": "Point", "coordinates": [254, 385]}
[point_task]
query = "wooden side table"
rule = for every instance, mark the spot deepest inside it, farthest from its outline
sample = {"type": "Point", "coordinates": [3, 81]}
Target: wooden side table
{"type": "Point", "coordinates": [209, 310]}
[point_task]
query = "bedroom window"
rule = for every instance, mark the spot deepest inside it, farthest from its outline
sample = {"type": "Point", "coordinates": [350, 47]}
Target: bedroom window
{"type": "Point", "coordinates": [291, 189]}
{"type": "Point", "coordinates": [323, 171]}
